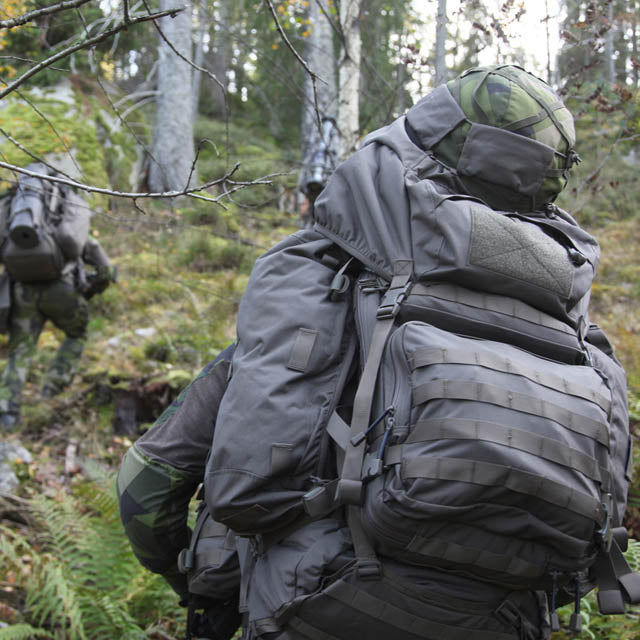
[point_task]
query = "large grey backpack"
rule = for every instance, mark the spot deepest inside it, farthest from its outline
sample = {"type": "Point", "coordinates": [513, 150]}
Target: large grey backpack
{"type": "Point", "coordinates": [44, 226]}
{"type": "Point", "coordinates": [488, 436]}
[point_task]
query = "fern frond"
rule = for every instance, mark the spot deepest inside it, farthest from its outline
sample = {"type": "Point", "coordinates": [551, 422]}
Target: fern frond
{"type": "Point", "coordinates": [23, 632]}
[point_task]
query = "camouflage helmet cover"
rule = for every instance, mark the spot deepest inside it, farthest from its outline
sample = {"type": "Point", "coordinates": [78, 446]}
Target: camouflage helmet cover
{"type": "Point", "coordinates": [509, 98]}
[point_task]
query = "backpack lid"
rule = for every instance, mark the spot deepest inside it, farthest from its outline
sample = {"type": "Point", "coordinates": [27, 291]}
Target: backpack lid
{"type": "Point", "coordinates": [504, 131]}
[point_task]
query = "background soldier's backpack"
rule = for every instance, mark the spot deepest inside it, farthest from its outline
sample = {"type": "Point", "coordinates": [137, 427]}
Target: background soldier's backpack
{"type": "Point", "coordinates": [46, 226]}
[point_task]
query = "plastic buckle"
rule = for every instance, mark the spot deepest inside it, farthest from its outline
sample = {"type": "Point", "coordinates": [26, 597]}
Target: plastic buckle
{"type": "Point", "coordinates": [372, 466]}
{"type": "Point", "coordinates": [185, 561]}
{"type": "Point", "coordinates": [390, 309]}
{"type": "Point", "coordinates": [508, 612]}
{"type": "Point", "coordinates": [604, 535]}
{"type": "Point", "coordinates": [369, 569]}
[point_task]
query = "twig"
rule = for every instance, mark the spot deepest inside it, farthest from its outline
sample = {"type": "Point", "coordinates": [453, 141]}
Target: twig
{"type": "Point", "coordinates": [82, 45]}
{"type": "Point", "coordinates": [53, 129]}
{"type": "Point", "coordinates": [192, 193]}
{"type": "Point", "coordinates": [314, 77]}
{"type": "Point", "coordinates": [32, 15]}
{"type": "Point", "coordinates": [32, 155]}
{"type": "Point", "coordinates": [180, 55]}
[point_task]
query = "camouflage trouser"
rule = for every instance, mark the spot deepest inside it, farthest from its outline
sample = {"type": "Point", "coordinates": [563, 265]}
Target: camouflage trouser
{"type": "Point", "coordinates": [31, 306]}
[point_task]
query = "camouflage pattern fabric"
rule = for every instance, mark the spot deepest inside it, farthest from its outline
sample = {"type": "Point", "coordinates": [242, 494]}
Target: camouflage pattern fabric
{"type": "Point", "coordinates": [32, 305]}
{"type": "Point", "coordinates": [509, 98]}
{"type": "Point", "coordinates": [154, 505]}
{"type": "Point", "coordinates": [163, 469]}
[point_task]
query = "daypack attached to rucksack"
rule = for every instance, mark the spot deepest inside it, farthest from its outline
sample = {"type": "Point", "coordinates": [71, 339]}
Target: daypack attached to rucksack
{"type": "Point", "coordinates": [47, 226]}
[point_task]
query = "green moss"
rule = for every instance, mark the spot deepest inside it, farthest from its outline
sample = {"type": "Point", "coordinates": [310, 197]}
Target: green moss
{"type": "Point", "coordinates": [64, 129]}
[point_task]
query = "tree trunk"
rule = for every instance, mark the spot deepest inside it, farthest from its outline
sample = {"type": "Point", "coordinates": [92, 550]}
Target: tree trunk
{"type": "Point", "coordinates": [609, 46]}
{"type": "Point", "coordinates": [172, 149]}
{"type": "Point", "coordinates": [198, 56]}
{"type": "Point", "coordinates": [219, 57]}
{"type": "Point", "coordinates": [349, 76]}
{"type": "Point", "coordinates": [441, 38]}
{"type": "Point", "coordinates": [321, 60]}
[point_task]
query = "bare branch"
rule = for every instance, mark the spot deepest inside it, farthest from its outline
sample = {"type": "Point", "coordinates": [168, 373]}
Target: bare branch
{"type": "Point", "coordinates": [33, 156]}
{"type": "Point", "coordinates": [82, 45]}
{"type": "Point", "coordinates": [192, 192]}
{"type": "Point", "coordinates": [53, 130]}
{"type": "Point", "coordinates": [187, 60]}
{"type": "Point", "coordinates": [33, 15]}
{"type": "Point", "coordinates": [313, 76]}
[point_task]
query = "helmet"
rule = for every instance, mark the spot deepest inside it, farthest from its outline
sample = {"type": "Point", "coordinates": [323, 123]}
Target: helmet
{"type": "Point", "coordinates": [513, 145]}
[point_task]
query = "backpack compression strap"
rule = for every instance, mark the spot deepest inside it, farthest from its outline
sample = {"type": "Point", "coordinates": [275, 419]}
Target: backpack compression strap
{"type": "Point", "coordinates": [350, 484]}
{"type": "Point", "coordinates": [349, 490]}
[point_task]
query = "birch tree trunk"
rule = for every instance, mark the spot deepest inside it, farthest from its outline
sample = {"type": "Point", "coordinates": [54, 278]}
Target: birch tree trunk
{"type": "Point", "coordinates": [441, 38]}
{"type": "Point", "coordinates": [609, 47]}
{"type": "Point", "coordinates": [349, 76]}
{"type": "Point", "coordinates": [321, 60]}
{"type": "Point", "coordinates": [172, 148]}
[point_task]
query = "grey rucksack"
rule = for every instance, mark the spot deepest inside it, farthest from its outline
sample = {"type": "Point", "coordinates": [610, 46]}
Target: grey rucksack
{"type": "Point", "coordinates": [46, 226]}
{"type": "Point", "coordinates": [421, 370]}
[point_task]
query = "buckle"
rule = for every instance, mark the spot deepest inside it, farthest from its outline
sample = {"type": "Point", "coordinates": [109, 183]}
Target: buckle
{"type": "Point", "coordinates": [369, 569]}
{"type": "Point", "coordinates": [390, 309]}
{"type": "Point", "coordinates": [508, 612]}
{"type": "Point", "coordinates": [372, 466]}
{"type": "Point", "coordinates": [604, 535]}
{"type": "Point", "coordinates": [185, 561]}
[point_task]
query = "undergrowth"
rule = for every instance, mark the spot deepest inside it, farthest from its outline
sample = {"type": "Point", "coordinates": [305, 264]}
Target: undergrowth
{"type": "Point", "coordinates": [72, 576]}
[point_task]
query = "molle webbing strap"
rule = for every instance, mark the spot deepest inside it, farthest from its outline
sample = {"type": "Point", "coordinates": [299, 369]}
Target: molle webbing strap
{"type": "Point", "coordinates": [496, 475]}
{"type": "Point", "coordinates": [540, 446]}
{"type": "Point", "coordinates": [265, 625]}
{"type": "Point", "coordinates": [499, 304]}
{"type": "Point", "coordinates": [426, 356]}
{"type": "Point", "coordinates": [212, 529]}
{"type": "Point", "coordinates": [350, 484]}
{"type": "Point", "coordinates": [210, 558]}
{"type": "Point", "coordinates": [491, 394]}
{"type": "Point", "coordinates": [461, 554]}
{"type": "Point", "coordinates": [616, 581]}
{"type": "Point", "coordinates": [308, 631]}
{"type": "Point", "coordinates": [398, 618]}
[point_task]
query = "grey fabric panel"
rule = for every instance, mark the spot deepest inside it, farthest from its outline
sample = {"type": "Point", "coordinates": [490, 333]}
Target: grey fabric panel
{"type": "Point", "coordinates": [509, 247]}
{"type": "Point", "coordinates": [487, 474]}
{"type": "Point", "coordinates": [448, 247]}
{"type": "Point", "coordinates": [501, 304]}
{"type": "Point", "coordinates": [308, 631]}
{"type": "Point", "coordinates": [434, 116]}
{"type": "Point", "coordinates": [391, 200]}
{"type": "Point", "coordinates": [295, 567]}
{"type": "Point", "coordinates": [427, 356]}
{"type": "Point", "coordinates": [302, 348]}
{"type": "Point", "coordinates": [460, 554]}
{"type": "Point", "coordinates": [288, 288]}
{"type": "Point", "coordinates": [501, 157]}
{"type": "Point", "coordinates": [545, 448]}
{"type": "Point", "coordinates": [486, 393]}
{"type": "Point", "coordinates": [281, 457]}
{"type": "Point", "coordinates": [620, 446]}
{"type": "Point", "coordinates": [382, 610]}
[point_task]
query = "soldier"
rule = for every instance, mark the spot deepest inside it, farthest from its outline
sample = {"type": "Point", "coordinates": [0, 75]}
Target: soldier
{"type": "Point", "coordinates": [45, 247]}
